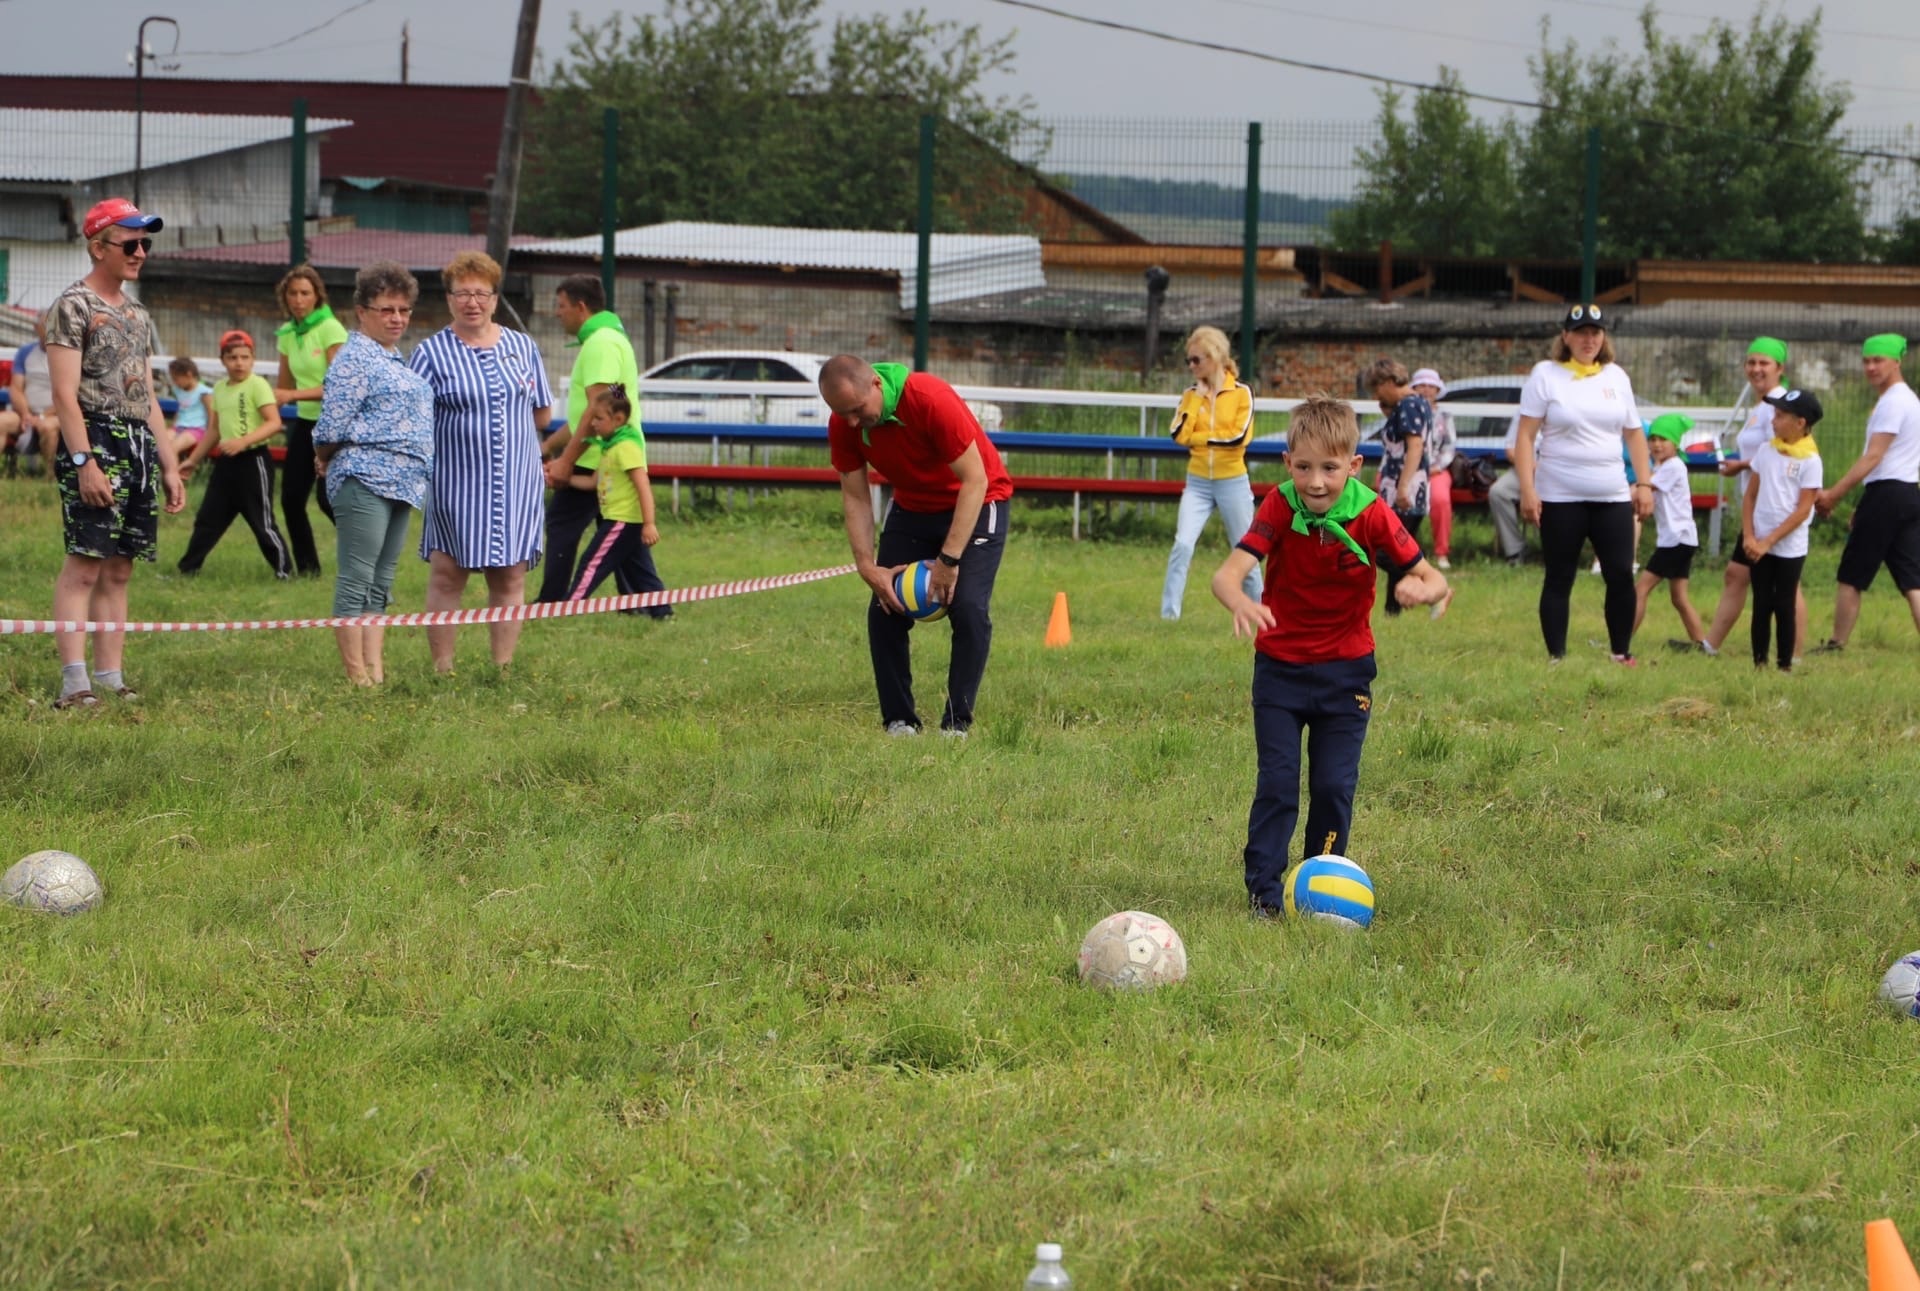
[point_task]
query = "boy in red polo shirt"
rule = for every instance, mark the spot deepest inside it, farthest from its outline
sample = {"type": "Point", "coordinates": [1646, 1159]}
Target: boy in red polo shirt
{"type": "Point", "coordinates": [950, 494]}
{"type": "Point", "coordinates": [1323, 535]}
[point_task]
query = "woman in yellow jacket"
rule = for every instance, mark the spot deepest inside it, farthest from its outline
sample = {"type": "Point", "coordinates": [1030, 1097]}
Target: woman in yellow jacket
{"type": "Point", "coordinates": [1214, 421]}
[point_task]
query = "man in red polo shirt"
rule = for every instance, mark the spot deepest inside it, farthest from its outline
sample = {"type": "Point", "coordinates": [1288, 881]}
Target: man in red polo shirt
{"type": "Point", "coordinates": [950, 494]}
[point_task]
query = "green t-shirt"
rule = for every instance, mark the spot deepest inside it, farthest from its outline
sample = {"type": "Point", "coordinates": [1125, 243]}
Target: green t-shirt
{"type": "Point", "coordinates": [605, 358]}
{"type": "Point", "coordinates": [241, 408]}
{"type": "Point", "coordinates": [619, 500]}
{"type": "Point", "coordinates": [303, 353]}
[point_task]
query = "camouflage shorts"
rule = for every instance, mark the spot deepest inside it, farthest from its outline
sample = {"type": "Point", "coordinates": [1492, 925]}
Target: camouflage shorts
{"type": "Point", "coordinates": [130, 527]}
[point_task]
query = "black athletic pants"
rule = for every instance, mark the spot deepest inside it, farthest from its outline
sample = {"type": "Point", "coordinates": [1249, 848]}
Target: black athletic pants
{"type": "Point", "coordinates": [297, 479]}
{"type": "Point", "coordinates": [909, 536]}
{"type": "Point", "coordinates": [570, 514]}
{"type": "Point", "coordinates": [1776, 582]}
{"type": "Point", "coordinates": [239, 486]}
{"type": "Point", "coordinates": [1564, 528]}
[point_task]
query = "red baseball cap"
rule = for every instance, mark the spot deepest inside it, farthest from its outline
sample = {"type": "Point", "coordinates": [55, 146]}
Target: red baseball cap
{"type": "Point", "coordinates": [118, 210]}
{"type": "Point", "coordinates": [235, 337]}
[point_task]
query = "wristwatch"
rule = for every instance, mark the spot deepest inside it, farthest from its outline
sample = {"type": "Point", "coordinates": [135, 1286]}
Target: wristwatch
{"type": "Point", "coordinates": [951, 562]}
{"type": "Point", "coordinates": [78, 460]}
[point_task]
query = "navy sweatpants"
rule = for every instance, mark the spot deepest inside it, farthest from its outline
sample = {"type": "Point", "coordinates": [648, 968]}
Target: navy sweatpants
{"type": "Point", "coordinates": [1330, 702]}
{"type": "Point", "coordinates": [916, 535]}
{"type": "Point", "coordinates": [616, 549]}
{"type": "Point", "coordinates": [570, 513]}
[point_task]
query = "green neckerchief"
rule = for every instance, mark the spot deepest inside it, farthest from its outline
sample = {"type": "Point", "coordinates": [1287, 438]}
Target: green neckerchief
{"type": "Point", "coordinates": [301, 326]}
{"type": "Point", "coordinates": [893, 379]}
{"type": "Point", "coordinates": [605, 318]}
{"type": "Point", "coordinates": [1346, 508]}
{"type": "Point", "coordinates": [625, 435]}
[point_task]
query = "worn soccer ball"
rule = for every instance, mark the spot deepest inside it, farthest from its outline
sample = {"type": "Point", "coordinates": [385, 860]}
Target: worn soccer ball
{"type": "Point", "coordinates": [53, 883]}
{"type": "Point", "coordinates": [1132, 951]}
{"type": "Point", "coordinates": [1900, 988]}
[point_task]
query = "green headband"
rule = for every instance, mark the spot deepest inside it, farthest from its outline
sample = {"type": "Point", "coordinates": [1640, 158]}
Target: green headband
{"type": "Point", "coordinates": [1770, 348]}
{"type": "Point", "coordinates": [1672, 425]}
{"type": "Point", "coordinates": [1887, 345]}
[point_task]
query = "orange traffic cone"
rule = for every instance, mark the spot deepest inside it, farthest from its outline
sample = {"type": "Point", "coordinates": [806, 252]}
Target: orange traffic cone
{"type": "Point", "coordinates": [1889, 1267]}
{"type": "Point", "coordinates": [1059, 631]}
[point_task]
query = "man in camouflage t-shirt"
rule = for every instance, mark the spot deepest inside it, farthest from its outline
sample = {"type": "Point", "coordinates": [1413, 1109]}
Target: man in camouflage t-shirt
{"type": "Point", "coordinates": [113, 442]}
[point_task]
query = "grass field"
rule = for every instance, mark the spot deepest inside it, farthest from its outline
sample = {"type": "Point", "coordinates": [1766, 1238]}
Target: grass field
{"type": "Point", "coordinates": [652, 963]}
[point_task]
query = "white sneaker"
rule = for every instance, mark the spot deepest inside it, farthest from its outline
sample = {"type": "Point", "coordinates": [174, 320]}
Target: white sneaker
{"type": "Point", "coordinates": [898, 729]}
{"type": "Point", "coordinates": [1595, 569]}
{"type": "Point", "coordinates": [953, 733]}
{"type": "Point", "coordinates": [1441, 562]}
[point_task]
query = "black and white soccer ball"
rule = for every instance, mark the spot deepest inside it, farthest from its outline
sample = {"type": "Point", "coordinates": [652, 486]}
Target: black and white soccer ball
{"type": "Point", "coordinates": [52, 882]}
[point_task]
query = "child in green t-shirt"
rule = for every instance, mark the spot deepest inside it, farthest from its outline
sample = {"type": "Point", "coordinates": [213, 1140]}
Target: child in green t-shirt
{"type": "Point", "coordinates": [245, 416]}
{"type": "Point", "coordinates": [625, 534]}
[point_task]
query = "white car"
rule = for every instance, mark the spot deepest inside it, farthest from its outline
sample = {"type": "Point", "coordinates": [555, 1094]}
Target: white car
{"type": "Point", "coordinates": [1479, 432]}
{"type": "Point", "coordinates": [799, 406]}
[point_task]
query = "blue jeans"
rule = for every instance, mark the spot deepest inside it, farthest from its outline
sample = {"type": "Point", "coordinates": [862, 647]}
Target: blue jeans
{"type": "Point", "coordinates": [1233, 499]}
{"type": "Point", "coordinates": [369, 532]}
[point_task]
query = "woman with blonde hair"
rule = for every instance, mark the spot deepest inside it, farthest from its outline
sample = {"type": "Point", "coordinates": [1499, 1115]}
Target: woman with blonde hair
{"type": "Point", "coordinates": [1214, 423]}
{"type": "Point", "coordinates": [491, 403]}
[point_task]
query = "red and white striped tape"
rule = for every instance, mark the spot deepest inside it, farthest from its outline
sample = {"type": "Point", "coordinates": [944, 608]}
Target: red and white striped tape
{"type": "Point", "coordinates": [448, 618]}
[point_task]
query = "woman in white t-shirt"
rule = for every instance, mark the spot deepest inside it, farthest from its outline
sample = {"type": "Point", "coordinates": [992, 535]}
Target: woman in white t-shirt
{"type": "Point", "coordinates": [1574, 483]}
{"type": "Point", "coordinates": [1766, 372]}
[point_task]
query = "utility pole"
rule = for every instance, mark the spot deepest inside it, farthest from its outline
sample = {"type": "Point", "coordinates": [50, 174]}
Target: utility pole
{"type": "Point", "coordinates": [506, 167]}
{"type": "Point", "coordinates": [140, 56]}
{"type": "Point", "coordinates": [405, 40]}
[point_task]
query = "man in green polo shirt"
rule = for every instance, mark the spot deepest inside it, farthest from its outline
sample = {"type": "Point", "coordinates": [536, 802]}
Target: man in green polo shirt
{"type": "Point", "coordinates": [605, 359]}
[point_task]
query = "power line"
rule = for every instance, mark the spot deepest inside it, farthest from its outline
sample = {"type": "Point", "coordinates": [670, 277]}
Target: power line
{"type": "Point", "coordinates": [298, 35]}
{"type": "Point", "coordinates": [1397, 28]}
{"type": "Point", "coordinates": [1378, 79]}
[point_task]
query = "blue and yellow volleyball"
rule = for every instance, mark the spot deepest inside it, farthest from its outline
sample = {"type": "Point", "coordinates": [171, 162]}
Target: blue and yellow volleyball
{"type": "Point", "coordinates": [911, 586]}
{"type": "Point", "coordinates": [1332, 888]}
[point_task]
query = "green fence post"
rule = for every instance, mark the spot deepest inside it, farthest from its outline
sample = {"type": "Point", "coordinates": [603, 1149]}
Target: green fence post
{"type": "Point", "coordinates": [297, 200]}
{"type": "Point", "coordinates": [1249, 259]}
{"type": "Point", "coordinates": [923, 253]}
{"type": "Point", "coordinates": [1590, 235]}
{"type": "Point", "coordinates": [609, 197]}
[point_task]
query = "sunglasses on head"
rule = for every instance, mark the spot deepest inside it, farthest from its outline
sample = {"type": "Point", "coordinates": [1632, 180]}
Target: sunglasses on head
{"type": "Point", "coordinates": [129, 245]}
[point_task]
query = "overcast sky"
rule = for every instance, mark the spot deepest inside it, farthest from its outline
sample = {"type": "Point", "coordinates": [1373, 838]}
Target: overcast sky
{"type": "Point", "coordinates": [1068, 69]}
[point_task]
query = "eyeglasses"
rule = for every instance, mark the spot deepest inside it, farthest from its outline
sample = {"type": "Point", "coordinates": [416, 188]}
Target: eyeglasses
{"type": "Point", "coordinates": [390, 311]}
{"type": "Point", "coordinates": [130, 245]}
{"type": "Point", "coordinates": [470, 297]}
{"type": "Point", "coordinates": [1195, 360]}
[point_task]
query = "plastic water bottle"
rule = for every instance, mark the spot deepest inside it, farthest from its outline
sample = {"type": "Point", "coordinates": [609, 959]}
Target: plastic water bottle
{"type": "Point", "coordinates": [1047, 1271]}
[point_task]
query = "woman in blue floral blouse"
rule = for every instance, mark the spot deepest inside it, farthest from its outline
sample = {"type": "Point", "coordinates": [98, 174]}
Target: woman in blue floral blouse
{"type": "Point", "coordinates": [374, 440]}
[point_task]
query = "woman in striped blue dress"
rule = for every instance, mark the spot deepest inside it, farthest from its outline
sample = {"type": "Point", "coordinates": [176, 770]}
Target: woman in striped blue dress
{"type": "Point", "coordinates": [491, 404]}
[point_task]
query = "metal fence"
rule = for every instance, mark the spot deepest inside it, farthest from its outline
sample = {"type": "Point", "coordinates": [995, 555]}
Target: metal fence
{"type": "Point", "coordinates": [1079, 257]}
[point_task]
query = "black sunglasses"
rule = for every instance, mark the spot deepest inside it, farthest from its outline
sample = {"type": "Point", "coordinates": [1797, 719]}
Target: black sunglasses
{"type": "Point", "coordinates": [128, 246]}
{"type": "Point", "coordinates": [1193, 359]}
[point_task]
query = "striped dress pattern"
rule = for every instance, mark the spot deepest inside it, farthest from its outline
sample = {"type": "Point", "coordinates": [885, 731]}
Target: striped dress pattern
{"type": "Point", "coordinates": [484, 495]}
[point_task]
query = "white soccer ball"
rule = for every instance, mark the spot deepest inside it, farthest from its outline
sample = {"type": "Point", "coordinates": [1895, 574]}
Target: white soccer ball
{"type": "Point", "coordinates": [1900, 988]}
{"type": "Point", "coordinates": [52, 882]}
{"type": "Point", "coordinates": [1132, 951]}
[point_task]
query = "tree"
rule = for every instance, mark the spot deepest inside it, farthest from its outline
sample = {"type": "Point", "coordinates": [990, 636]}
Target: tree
{"type": "Point", "coordinates": [736, 111]}
{"type": "Point", "coordinates": [1441, 182]}
{"type": "Point", "coordinates": [1727, 146]}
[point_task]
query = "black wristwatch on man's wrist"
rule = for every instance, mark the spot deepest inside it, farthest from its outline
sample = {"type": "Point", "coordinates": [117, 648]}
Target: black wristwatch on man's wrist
{"type": "Point", "coordinates": [951, 562]}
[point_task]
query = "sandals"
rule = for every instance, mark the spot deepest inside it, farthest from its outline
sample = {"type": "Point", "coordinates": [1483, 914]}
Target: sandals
{"type": "Point", "coordinates": [78, 699]}
{"type": "Point", "coordinates": [128, 693]}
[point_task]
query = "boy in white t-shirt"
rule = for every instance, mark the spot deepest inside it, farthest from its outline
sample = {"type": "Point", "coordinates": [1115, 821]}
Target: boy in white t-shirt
{"type": "Point", "coordinates": [1776, 513]}
{"type": "Point", "coordinates": [1676, 539]}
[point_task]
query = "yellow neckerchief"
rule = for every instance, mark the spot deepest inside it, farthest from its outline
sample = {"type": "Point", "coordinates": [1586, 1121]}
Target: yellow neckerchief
{"type": "Point", "coordinates": [1801, 447]}
{"type": "Point", "coordinates": [1581, 371]}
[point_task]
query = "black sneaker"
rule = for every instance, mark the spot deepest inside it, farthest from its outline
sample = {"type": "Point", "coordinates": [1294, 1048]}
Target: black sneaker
{"type": "Point", "coordinates": [1260, 910]}
{"type": "Point", "coordinates": [1829, 646]}
{"type": "Point", "coordinates": [1678, 646]}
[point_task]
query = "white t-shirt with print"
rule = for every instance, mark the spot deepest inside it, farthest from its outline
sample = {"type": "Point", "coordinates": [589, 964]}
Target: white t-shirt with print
{"type": "Point", "coordinates": [1757, 431]}
{"type": "Point", "coordinates": [1581, 424]}
{"type": "Point", "coordinates": [1673, 505]}
{"type": "Point", "coordinates": [1780, 479]}
{"type": "Point", "coordinates": [1896, 413]}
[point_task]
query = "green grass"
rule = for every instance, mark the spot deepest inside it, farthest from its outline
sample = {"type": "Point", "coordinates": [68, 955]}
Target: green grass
{"type": "Point", "coordinates": [652, 963]}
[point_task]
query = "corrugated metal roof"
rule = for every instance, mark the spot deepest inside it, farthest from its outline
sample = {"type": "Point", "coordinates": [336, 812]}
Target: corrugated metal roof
{"type": "Point", "coordinates": [58, 146]}
{"type": "Point", "coordinates": [964, 265]}
{"type": "Point", "coordinates": [419, 252]}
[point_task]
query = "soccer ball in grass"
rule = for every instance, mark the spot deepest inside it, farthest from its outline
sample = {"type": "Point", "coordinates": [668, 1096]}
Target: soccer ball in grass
{"type": "Point", "coordinates": [1900, 988]}
{"type": "Point", "coordinates": [1132, 951]}
{"type": "Point", "coordinates": [1332, 888]}
{"type": "Point", "coordinates": [52, 882]}
{"type": "Point", "coordinates": [910, 585]}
